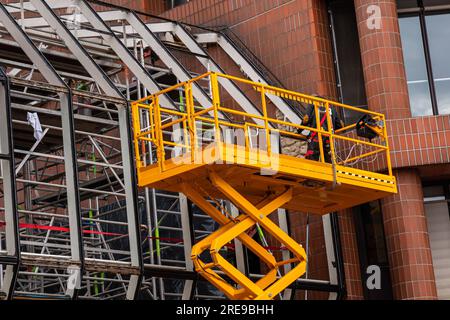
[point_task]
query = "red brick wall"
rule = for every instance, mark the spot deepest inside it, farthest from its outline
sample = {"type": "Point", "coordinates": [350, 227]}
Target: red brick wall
{"type": "Point", "coordinates": [420, 141]}
{"type": "Point", "coordinates": [289, 36]}
{"type": "Point", "coordinates": [150, 6]}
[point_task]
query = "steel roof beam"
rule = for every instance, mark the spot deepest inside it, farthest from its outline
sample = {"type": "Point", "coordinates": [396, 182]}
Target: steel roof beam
{"type": "Point", "coordinates": [168, 58]}
{"type": "Point", "coordinates": [77, 50]}
{"type": "Point", "coordinates": [255, 76]}
{"type": "Point", "coordinates": [243, 101]}
{"type": "Point", "coordinates": [124, 54]}
{"type": "Point", "coordinates": [17, 6]}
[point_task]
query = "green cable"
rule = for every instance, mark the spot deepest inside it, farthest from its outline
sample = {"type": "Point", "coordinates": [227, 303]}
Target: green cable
{"type": "Point", "coordinates": [102, 275]}
{"type": "Point", "coordinates": [260, 233]}
{"type": "Point", "coordinates": [95, 167]}
{"type": "Point", "coordinates": [96, 290]}
{"type": "Point", "coordinates": [158, 248]}
{"type": "Point", "coordinates": [181, 101]}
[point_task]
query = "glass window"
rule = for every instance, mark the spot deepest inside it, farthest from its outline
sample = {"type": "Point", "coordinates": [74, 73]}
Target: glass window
{"type": "Point", "coordinates": [416, 70]}
{"type": "Point", "coordinates": [438, 30]}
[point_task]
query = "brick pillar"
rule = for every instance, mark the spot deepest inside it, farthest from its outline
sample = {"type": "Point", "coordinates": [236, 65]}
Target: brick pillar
{"type": "Point", "coordinates": [382, 59]}
{"type": "Point", "coordinates": [407, 240]}
{"type": "Point", "coordinates": [387, 92]}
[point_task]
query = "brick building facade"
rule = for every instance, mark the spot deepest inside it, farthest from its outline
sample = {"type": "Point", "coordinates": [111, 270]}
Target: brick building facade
{"type": "Point", "coordinates": [302, 43]}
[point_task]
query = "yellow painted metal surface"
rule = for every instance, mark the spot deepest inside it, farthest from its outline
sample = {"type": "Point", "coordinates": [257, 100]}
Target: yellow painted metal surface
{"type": "Point", "coordinates": [220, 152]}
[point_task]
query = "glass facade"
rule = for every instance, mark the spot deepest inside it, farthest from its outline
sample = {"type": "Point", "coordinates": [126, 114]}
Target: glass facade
{"type": "Point", "coordinates": [426, 49]}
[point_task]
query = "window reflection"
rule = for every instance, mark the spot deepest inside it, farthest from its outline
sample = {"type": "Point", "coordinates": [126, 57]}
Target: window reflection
{"type": "Point", "coordinates": [416, 71]}
{"type": "Point", "coordinates": [439, 42]}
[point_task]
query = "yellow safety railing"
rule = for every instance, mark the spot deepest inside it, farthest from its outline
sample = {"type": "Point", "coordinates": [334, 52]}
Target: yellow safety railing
{"type": "Point", "coordinates": [154, 124]}
{"type": "Point", "coordinates": [159, 128]}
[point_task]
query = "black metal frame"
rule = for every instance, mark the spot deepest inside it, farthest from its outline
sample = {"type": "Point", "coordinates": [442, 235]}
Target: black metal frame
{"type": "Point", "coordinates": [192, 231]}
{"type": "Point", "coordinates": [11, 260]}
{"type": "Point", "coordinates": [447, 195]}
{"type": "Point", "coordinates": [363, 257]}
{"type": "Point", "coordinates": [339, 257]}
{"type": "Point", "coordinates": [446, 187]}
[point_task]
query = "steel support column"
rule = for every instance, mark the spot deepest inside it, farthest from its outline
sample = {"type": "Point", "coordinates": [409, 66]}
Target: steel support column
{"type": "Point", "coordinates": [9, 189]}
{"type": "Point", "coordinates": [131, 193]}
{"type": "Point", "coordinates": [186, 225]}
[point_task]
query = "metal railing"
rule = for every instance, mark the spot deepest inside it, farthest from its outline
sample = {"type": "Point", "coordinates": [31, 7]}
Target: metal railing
{"type": "Point", "coordinates": [161, 122]}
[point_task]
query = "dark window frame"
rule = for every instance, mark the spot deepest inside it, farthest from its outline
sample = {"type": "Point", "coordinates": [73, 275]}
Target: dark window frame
{"type": "Point", "coordinates": [421, 13]}
{"type": "Point", "coordinates": [445, 183]}
{"type": "Point", "coordinates": [175, 3]}
{"type": "Point", "coordinates": [341, 80]}
{"type": "Point", "coordinates": [386, 292]}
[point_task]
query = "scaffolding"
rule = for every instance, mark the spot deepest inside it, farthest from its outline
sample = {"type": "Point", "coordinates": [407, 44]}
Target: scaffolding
{"type": "Point", "coordinates": [73, 222]}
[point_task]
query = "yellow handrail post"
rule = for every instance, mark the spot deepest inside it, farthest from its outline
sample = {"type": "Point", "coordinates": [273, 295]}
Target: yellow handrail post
{"type": "Point", "coordinates": [191, 120]}
{"type": "Point", "coordinates": [247, 142]}
{"type": "Point", "coordinates": [185, 134]}
{"type": "Point", "coordinates": [152, 121]}
{"type": "Point", "coordinates": [319, 132]}
{"type": "Point", "coordinates": [161, 154]}
{"type": "Point", "coordinates": [331, 132]}
{"type": "Point", "coordinates": [266, 121]}
{"type": "Point", "coordinates": [216, 105]}
{"type": "Point", "coordinates": [136, 130]}
{"type": "Point", "coordinates": [386, 140]}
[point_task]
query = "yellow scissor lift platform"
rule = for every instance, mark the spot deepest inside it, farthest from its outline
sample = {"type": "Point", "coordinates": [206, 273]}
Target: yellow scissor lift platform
{"type": "Point", "coordinates": [207, 156]}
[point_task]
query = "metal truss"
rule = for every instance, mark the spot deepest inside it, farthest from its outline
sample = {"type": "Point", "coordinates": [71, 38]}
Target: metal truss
{"type": "Point", "coordinates": [73, 224]}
